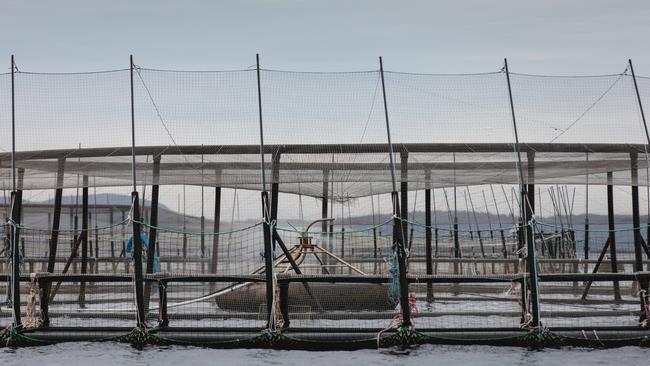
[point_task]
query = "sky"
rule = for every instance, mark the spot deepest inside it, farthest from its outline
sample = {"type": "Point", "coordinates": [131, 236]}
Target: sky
{"type": "Point", "coordinates": [541, 37]}
{"type": "Point", "coordinates": [547, 37]}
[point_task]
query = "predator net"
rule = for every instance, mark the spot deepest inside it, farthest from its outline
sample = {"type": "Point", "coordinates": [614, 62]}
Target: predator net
{"type": "Point", "coordinates": [199, 173]}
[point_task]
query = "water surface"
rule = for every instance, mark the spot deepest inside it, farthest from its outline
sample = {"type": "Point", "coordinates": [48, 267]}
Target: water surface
{"type": "Point", "coordinates": [115, 354]}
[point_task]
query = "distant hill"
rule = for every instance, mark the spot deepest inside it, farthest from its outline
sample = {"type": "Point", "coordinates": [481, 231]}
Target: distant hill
{"type": "Point", "coordinates": [37, 214]}
{"type": "Point", "coordinates": [100, 198]}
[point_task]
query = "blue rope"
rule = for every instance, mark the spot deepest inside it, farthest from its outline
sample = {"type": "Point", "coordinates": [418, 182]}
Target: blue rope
{"type": "Point", "coordinates": [394, 288]}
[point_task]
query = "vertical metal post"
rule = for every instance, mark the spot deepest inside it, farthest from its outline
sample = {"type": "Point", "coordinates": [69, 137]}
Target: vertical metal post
{"type": "Point", "coordinates": [16, 203]}
{"type": "Point", "coordinates": [612, 232]}
{"type": "Point", "coordinates": [84, 240]}
{"type": "Point", "coordinates": [427, 225]}
{"type": "Point", "coordinates": [636, 223]}
{"type": "Point", "coordinates": [16, 208]}
{"type": "Point", "coordinates": [268, 243]}
{"type": "Point", "coordinates": [153, 231]}
{"type": "Point", "coordinates": [646, 147]}
{"type": "Point", "coordinates": [153, 214]}
{"type": "Point", "coordinates": [324, 215]}
{"type": "Point", "coordinates": [135, 217]}
{"type": "Point", "coordinates": [404, 191]}
{"type": "Point", "coordinates": [398, 233]}
{"type": "Point", "coordinates": [75, 227]}
{"type": "Point", "coordinates": [184, 230]}
{"type": "Point", "coordinates": [458, 267]}
{"type": "Point", "coordinates": [374, 231]}
{"type": "Point", "coordinates": [13, 125]}
{"type": "Point", "coordinates": [259, 109]}
{"type": "Point", "coordinates": [217, 221]}
{"type": "Point", "coordinates": [325, 195]}
{"type": "Point", "coordinates": [111, 219]}
{"type": "Point", "coordinates": [96, 226]}
{"type": "Point", "coordinates": [202, 215]}
{"type": "Point", "coordinates": [530, 244]}
{"type": "Point", "coordinates": [54, 239]}
{"type": "Point", "coordinates": [56, 218]}
{"type": "Point", "coordinates": [638, 98]}
{"type": "Point", "coordinates": [275, 190]}
{"type": "Point", "coordinates": [132, 125]}
{"type": "Point", "coordinates": [530, 198]}
{"type": "Point", "coordinates": [137, 260]}
{"type": "Point", "coordinates": [586, 238]}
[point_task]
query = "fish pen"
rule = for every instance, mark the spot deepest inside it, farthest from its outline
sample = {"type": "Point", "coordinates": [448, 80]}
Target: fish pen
{"type": "Point", "coordinates": [324, 210]}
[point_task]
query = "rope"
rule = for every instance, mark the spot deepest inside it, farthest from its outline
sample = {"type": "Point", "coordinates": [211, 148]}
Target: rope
{"type": "Point", "coordinates": [594, 230]}
{"type": "Point", "coordinates": [394, 287]}
{"type": "Point", "coordinates": [279, 320]}
{"type": "Point", "coordinates": [398, 319]}
{"type": "Point", "coordinates": [644, 303]}
{"type": "Point", "coordinates": [272, 324]}
{"type": "Point", "coordinates": [364, 229]}
{"type": "Point", "coordinates": [24, 227]}
{"type": "Point", "coordinates": [162, 229]}
{"type": "Point", "coordinates": [31, 321]}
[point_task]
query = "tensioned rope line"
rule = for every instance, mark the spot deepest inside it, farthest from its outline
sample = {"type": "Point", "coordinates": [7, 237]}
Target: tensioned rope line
{"type": "Point", "coordinates": [620, 76]}
{"type": "Point", "coordinates": [365, 127]}
{"type": "Point", "coordinates": [162, 121]}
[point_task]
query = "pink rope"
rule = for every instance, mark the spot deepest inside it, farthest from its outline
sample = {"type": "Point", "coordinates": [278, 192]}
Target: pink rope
{"type": "Point", "coordinates": [398, 319]}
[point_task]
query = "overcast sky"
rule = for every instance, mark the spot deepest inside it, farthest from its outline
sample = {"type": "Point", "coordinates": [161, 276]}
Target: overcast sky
{"type": "Point", "coordinates": [578, 37]}
{"type": "Point", "coordinates": [545, 37]}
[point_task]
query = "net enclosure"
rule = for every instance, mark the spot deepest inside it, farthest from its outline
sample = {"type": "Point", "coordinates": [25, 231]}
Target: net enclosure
{"type": "Point", "coordinates": [324, 210]}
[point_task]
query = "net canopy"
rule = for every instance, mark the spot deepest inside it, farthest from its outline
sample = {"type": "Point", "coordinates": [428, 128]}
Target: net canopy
{"type": "Point", "coordinates": [319, 128]}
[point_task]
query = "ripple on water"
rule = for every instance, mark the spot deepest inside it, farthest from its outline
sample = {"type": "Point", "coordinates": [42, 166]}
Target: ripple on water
{"type": "Point", "coordinates": [115, 354]}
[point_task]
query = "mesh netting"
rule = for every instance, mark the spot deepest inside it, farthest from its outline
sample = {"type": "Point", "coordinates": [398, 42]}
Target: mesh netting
{"type": "Point", "coordinates": [331, 216]}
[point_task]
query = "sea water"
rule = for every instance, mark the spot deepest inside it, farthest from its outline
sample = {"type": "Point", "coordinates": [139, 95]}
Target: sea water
{"type": "Point", "coordinates": [115, 354]}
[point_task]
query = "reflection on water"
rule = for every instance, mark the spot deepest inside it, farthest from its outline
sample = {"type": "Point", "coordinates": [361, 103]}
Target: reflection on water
{"type": "Point", "coordinates": [115, 354]}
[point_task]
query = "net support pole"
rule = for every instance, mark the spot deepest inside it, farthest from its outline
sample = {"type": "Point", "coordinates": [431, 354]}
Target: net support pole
{"type": "Point", "coordinates": [611, 225]}
{"type": "Point", "coordinates": [135, 218]}
{"type": "Point", "coordinates": [16, 208]}
{"type": "Point", "coordinates": [275, 199]}
{"type": "Point", "coordinates": [530, 197]}
{"type": "Point", "coordinates": [266, 212]}
{"type": "Point", "coordinates": [398, 233]}
{"type": "Point", "coordinates": [428, 236]}
{"type": "Point", "coordinates": [202, 212]}
{"type": "Point", "coordinates": [132, 126]}
{"type": "Point", "coordinates": [137, 260]}
{"type": "Point", "coordinates": [16, 203]}
{"type": "Point", "coordinates": [531, 260]}
{"type": "Point", "coordinates": [647, 146]}
{"type": "Point", "coordinates": [404, 192]}
{"type": "Point", "coordinates": [153, 214]}
{"type": "Point", "coordinates": [586, 237]}
{"type": "Point", "coordinates": [458, 267]}
{"type": "Point", "coordinates": [636, 224]}
{"type": "Point", "coordinates": [54, 241]}
{"type": "Point", "coordinates": [275, 189]}
{"type": "Point", "coordinates": [56, 217]}
{"type": "Point", "coordinates": [324, 215]}
{"type": "Point", "coordinates": [13, 124]}
{"type": "Point", "coordinates": [84, 240]}
{"type": "Point", "coordinates": [111, 218]}
{"type": "Point", "coordinates": [216, 225]}
{"type": "Point", "coordinates": [153, 223]}
{"type": "Point", "coordinates": [325, 195]}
